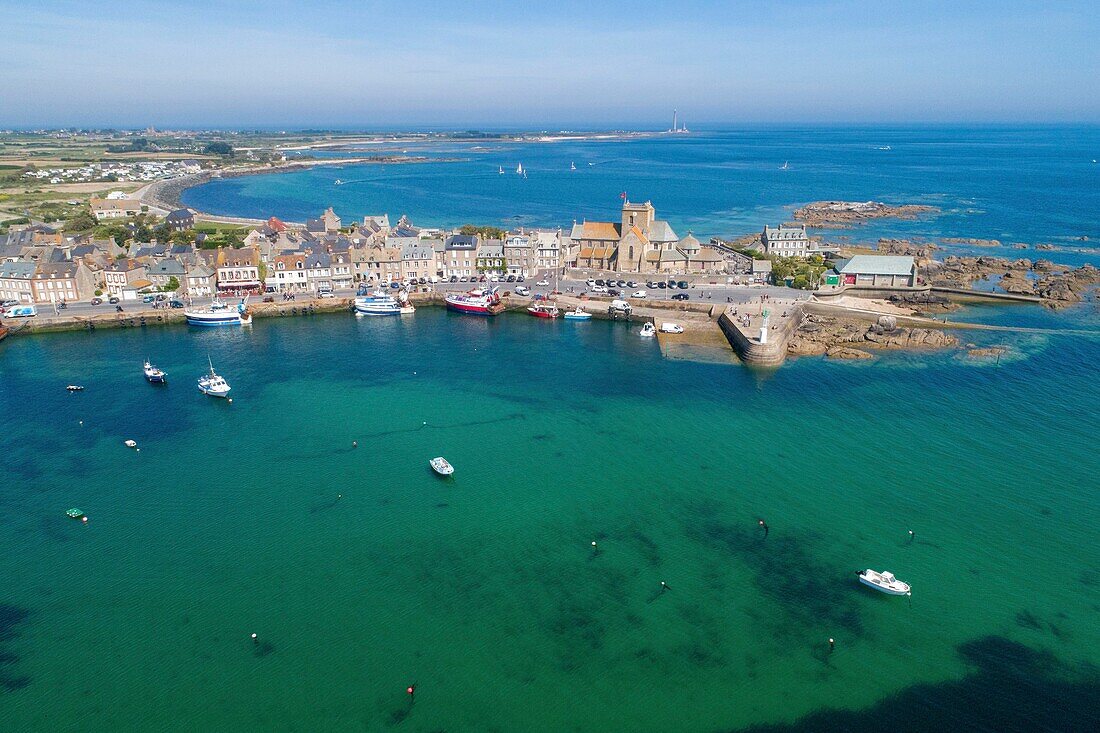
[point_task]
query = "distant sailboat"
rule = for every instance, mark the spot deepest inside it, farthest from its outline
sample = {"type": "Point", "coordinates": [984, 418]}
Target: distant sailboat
{"type": "Point", "coordinates": [572, 166]}
{"type": "Point", "coordinates": [500, 170]}
{"type": "Point", "coordinates": [519, 169]}
{"type": "Point", "coordinates": [786, 165]}
{"type": "Point", "coordinates": [337, 182]}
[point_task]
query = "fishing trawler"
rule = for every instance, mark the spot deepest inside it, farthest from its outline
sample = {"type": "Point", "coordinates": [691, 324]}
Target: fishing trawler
{"type": "Point", "coordinates": [213, 385]}
{"type": "Point", "coordinates": [479, 302]}
{"type": "Point", "coordinates": [219, 314]}
{"type": "Point", "coordinates": [153, 375]}
{"type": "Point", "coordinates": [543, 310]}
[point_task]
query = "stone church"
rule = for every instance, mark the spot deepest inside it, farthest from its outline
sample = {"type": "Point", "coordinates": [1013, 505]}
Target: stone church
{"type": "Point", "coordinates": [639, 242]}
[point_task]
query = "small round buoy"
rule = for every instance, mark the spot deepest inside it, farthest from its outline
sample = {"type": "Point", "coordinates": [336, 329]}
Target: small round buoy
{"type": "Point", "coordinates": [255, 639]}
{"type": "Point", "coordinates": [355, 444]}
{"type": "Point", "coordinates": [138, 450]}
{"type": "Point", "coordinates": [593, 543]}
{"type": "Point", "coordinates": [229, 400]}
{"type": "Point", "coordinates": [82, 422]}
{"type": "Point", "coordinates": [84, 519]}
{"type": "Point", "coordinates": [832, 644]}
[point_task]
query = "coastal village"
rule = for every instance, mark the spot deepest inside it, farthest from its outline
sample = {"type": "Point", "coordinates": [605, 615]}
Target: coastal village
{"type": "Point", "coordinates": [162, 259]}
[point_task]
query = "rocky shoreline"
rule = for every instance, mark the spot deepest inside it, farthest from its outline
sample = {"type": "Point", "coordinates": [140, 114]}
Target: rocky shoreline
{"type": "Point", "coordinates": [842, 214]}
{"type": "Point", "coordinates": [838, 337]}
{"type": "Point", "coordinates": [1057, 285]}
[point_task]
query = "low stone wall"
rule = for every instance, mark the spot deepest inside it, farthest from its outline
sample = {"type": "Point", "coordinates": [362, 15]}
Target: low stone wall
{"type": "Point", "coordinates": [750, 350]}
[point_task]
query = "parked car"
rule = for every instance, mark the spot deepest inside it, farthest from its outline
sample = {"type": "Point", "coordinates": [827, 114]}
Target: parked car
{"type": "Point", "coordinates": [149, 299]}
{"type": "Point", "coordinates": [600, 283]}
{"type": "Point", "coordinates": [683, 284]}
{"type": "Point", "coordinates": [522, 290]}
{"type": "Point", "coordinates": [590, 283]}
{"type": "Point", "coordinates": [161, 297]}
{"type": "Point", "coordinates": [520, 278]}
{"type": "Point", "coordinates": [598, 290]}
{"type": "Point", "coordinates": [662, 285]}
{"type": "Point", "coordinates": [454, 278]}
{"type": "Point", "coordinates": [8, 303]}
{"type": "Point", "coordinates": [21, 311]}
{"type": "Point", "coordinates": [113, 300]}
{"type": "Point", "coordinates": [267, 299]}
{"type": "Point", "coordinates": [464, 279]}
{"type": "Point", "coordinates": [543, 283]}
{"type": "Point", "coordinates": [621, 283]}
{"type": "Point", "coordinates": [638, 294]}
{"type": "Point", "coordinates": [327, 293]}
{"type": "Point", "coordinates": [179, 303]}
{"type": "Point", "coordinates": [395, 285]}
{"type": "Point", "coordinates": [97, 301]}
{"type": "Point", "coordinates": [511, 278]}
{"type": "Point", "coordinates": [631, 284]}
{"type": "Point", "coordinates": [423, 281]}
{"type": "Point", "coordinates": [681, 296]}
{"type": "Point", "coordinates": [671, 328]}
{"type": "Point", "coordinates": [614, 292]}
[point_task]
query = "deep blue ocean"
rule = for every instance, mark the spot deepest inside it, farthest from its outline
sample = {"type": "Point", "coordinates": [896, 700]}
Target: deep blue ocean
{"type": "Point", "coordinates": [1026, 185]}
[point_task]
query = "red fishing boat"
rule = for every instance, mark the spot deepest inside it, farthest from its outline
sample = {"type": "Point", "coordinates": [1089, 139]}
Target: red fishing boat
{"type": "Point", "coordinates": [476, 302]}
{"type": "Point", "coordinates": [543, 310]}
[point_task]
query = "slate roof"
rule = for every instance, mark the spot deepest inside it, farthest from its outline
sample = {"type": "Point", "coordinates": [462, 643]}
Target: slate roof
{"type": "Point", "coordinates": [878, 265]}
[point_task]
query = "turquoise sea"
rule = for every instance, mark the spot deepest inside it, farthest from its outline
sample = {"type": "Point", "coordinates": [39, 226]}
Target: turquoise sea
{"type": "Point", "coordinates": [362, 573]}
{"type": "Point", "coordinates": [1015, 184]}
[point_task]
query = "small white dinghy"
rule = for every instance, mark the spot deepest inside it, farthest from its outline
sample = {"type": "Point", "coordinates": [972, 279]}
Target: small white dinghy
{"type": "Point", "coordinates": [885, 582]}
{"type": "Point", "coordinates": [440, 466]}
{"type": "Point", "coordinates": [647, 330]}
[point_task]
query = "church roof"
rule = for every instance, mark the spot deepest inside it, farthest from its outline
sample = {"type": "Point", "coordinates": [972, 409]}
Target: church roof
{"type": "Point", "coordinates": [603, 230]}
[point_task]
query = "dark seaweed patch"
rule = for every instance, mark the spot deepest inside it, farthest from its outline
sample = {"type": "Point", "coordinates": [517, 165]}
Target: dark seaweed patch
{"type": "Point", "coordinates": [1014, 688]}
{"type": "Point", "coordinates": [11, 618]}
{"type": "Point", "coordinates": [1028, 620]}
{"type": "Point", "coordinates": [817, 594]}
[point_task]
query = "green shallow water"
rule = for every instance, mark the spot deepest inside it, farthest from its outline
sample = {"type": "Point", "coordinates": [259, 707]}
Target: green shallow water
{"type": "Point", "coordinates": [484, 590]}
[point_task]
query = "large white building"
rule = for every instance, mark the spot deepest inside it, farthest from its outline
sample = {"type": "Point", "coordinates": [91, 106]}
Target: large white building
{"type": "Point", "coordinates": [786, 240]}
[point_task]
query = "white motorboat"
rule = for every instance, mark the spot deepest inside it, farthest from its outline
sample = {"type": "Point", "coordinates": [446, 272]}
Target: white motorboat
{"type": "Point", "coordinates": [213, 385]}
{"type": "Point", "coordinates": [152, 374]}
{"type": "Point", "coordinates": [130, 443]}
{"type": "Point", "coordinates": [885, 582]}
{"type": "Point", "coordinates": [441, 466]}
{"type": "Point", "coordinates": [75, 388]}
{"type": "Point", "coordinates": [671, 328]}
{"type": "Point", "coordinates": [647, 330]}
{"type": "Point", "coordinates": [377, 303]}
{"type": "Point", "coordinates": [578, 314]}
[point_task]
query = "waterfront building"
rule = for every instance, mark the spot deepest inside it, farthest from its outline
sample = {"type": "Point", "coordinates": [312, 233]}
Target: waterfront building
{"type": "Point", "coordinates": [786, 240]}
{"type": "Point", "coordinates": [201, 280]}
{"type": "Point", "coordinates": [879, 271]}
{"type": "Point", "coordinates": [490, 258]}
{"type": "Point", "coordinates": [180, 220]}
{"type": "Point", "coordinates": [120, 274]}
{"type": "Point", "coordinates": [417, 259]}
{"type": "Point", "coordinates": [376, 263]}
{"type": "Point", "coordinates": [115, 208]}
{"type": "Point", "coordinates": [162, 272]}
{"type": "Point", "coordinates": [548, 246]}
{"type": "Point", "coordinates": [62, 281]}
{"type": "Point", "coordinates": [341, 269]}
{"type": "Point", "coordinates": [761, 271]}
{"type": "Point", "coordinates": [238, 271]}
{"type": "Point", "coordinates": [318, 271]}
{"type": "Point", "coordinates": [460, 255]}
{"type": "Point", "coordinates": [15, 281]}
{"type": "Point", "coordinates": [520, 253]}
{"type": "Point", "coordinates": [289, 273]}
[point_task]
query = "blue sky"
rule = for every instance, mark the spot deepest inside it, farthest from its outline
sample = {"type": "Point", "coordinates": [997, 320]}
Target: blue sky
{"type": "Point", "coordinates": [544, 64]}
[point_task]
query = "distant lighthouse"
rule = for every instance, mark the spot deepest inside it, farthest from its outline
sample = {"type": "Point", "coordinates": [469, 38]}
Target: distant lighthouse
{"type": "Point", "coordinates": [674, 113]}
